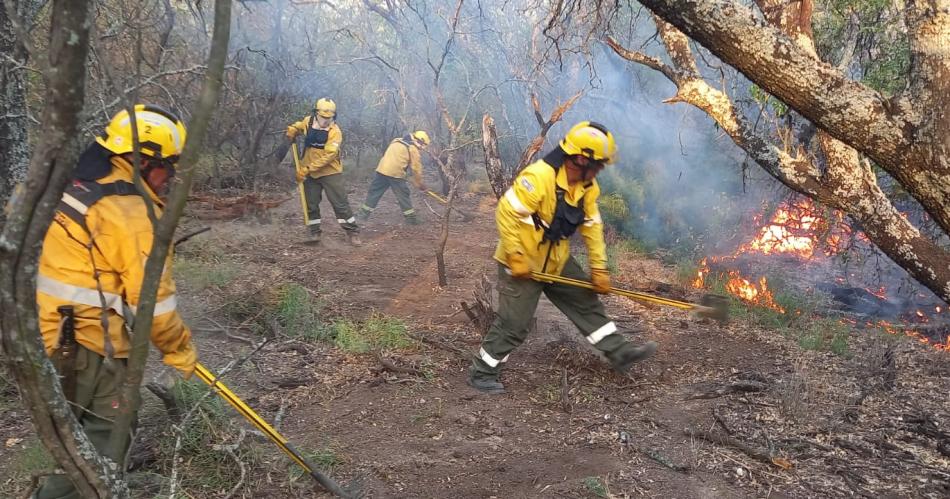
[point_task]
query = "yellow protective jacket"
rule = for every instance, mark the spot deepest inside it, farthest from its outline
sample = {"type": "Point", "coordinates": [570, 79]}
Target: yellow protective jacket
{"type": "Point", "coordinates": [324, 158]}
{"type": "Point", "coordinates": [401, 155]}
{"type": "Point", "coordinates": [121, 241]}
{"type": "Point", "coordinates": [534, 191]}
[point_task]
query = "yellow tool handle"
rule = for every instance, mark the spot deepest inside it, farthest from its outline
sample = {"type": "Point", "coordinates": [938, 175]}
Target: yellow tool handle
{"type": "Point", "coordinates": [249, 414]}
{"type": "Point", "coordinates": [621, 292]}
{"type": "Point", "coordinates": [440, 198]}
{"type": "Point", "coordinates": [303, 196]}
{"type": "Point", "coordinates": [246, 411]}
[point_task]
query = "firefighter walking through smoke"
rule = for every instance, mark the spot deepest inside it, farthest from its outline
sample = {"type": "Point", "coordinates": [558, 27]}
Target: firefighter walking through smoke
{"type": "Point", "coordinates": [548, 201]}
{"type": "Point", "coordinates": [91, 270]}
{"type": "Point", "coordinates": [322, 171]}
{"type": "Point", "coordinates": [401, 155]}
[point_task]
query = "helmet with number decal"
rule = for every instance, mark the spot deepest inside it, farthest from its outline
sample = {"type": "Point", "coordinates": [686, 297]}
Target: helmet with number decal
{"type": "Point", "coordinates": [161, 133]}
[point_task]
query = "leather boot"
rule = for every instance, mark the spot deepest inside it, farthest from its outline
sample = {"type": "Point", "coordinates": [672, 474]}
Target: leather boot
{"type": "Point", "coordinates": [353, 238]}
{"type": "Point", "coordinates": [485, 384]}
{"type": "Point", "coordinates": [622, 361]}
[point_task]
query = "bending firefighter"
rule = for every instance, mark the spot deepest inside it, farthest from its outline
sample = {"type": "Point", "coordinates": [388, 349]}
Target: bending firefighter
{"type": "Point", "coordinates": [549, 201]}
{"type": "Point", "coordinates": [401, 155]}
{"type": "Point", "coordinates": [91, 270]}
{"type": "Point", "coordinates": [322, 170]}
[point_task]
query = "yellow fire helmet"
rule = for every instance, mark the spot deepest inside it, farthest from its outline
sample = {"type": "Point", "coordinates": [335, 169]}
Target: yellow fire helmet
{"type": "Point", "coordinates": [325, 107]}
{"type": "Point", "coordinates": [161, 133]}
{"type": "Point", "coordinates": [421, 136]}
{"type": "Point", "coordinates": [591, 140]}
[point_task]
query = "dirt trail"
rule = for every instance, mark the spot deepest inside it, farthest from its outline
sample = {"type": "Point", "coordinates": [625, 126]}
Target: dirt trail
{"type": "Point", "coordinates": [600, 434]}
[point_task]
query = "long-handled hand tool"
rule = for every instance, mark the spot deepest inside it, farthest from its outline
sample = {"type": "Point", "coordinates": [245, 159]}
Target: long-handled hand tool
{"type": "Point", "coordinates": [303, 197]}
{"type": "Point", "coordinates": [249, 414]}
{"type": "Point", "coordinates": [713, 306]}
{"type": "Point", "coordinates": [440, 198]}
{"type": "Point", "coordinates": [466, 216]}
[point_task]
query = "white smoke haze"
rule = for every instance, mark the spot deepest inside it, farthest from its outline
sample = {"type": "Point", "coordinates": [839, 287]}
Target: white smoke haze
{"type": "Point", "coordinates": [690, 191]}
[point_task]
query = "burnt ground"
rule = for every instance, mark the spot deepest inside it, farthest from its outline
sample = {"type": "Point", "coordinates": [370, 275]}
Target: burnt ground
{"type": "Point", "coordinates": [731, 410]}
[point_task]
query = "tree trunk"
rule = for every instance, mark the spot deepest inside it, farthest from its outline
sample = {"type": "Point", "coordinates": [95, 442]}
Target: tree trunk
{"type": "Point", "coordinates": [843, 182]}
{"type": "Point", "coordinates": [57, 427]}
{"type": "Point", "coordinates": [13, 111]}
{"type": "Point", "coordinates": [903, 135]}
{"type": "Point", "coordinates": [497, 178]}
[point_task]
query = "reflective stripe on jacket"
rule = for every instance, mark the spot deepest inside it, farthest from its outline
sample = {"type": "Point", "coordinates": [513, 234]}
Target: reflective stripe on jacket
{"type": "Point", "coordinates": [121, 242]}
{"type": "Point", "coordinates": [534, 190]}
{"type": "Point", "coordinates": [401, 155]}
{"type": "Point", "coordinates": [321, 162]}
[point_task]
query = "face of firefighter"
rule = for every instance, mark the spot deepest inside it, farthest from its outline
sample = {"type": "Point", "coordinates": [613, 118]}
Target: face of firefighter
{"type": "Point", "coordinates": [158, 176]}
{"type": "Point", "coordinates": [581, 169]}
{"type": "Point", "coordinates": [324, 122]}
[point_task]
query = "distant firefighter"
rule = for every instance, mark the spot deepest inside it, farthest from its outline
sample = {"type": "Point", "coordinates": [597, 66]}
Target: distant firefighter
{"type": "Point", "coordinates": [547, 202]}
{"type": "Point", "coordinates": [401, 155]}
{"type": "Point", "coordinates": [322, 171]}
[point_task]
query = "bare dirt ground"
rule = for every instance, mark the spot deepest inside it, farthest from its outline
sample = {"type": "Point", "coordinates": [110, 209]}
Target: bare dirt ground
{"type": "Point", "coordinates": [721, 411]}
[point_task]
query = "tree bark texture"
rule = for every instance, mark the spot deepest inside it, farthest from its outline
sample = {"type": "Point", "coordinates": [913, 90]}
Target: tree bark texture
{"type": "Point", "coordinates": [21, 240]}
{"type": "Point", "coordinates": [902, 134]}
{"type": "Point", "coordinates": [13, 111]}
{"type": "Point", "coordinates": [497, 177]}
{"type": "Point", "coordinates": [842, 181]}
{"type": "Point", "coordinates": [165, 229]}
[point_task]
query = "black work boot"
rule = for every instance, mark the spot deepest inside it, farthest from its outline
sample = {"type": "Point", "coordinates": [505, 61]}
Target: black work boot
{"type": "Point", "coordinates": [627, 357]}
{"type": "Point", "coordinates": [313, 235]}
{"type": "Point", "coordinates": [485, 382]}
{"type": "Point", "coordinates": [412, 219]}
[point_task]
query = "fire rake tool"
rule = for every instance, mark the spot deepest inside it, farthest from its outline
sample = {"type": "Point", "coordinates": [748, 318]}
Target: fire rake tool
{"type": "Point", "coordinates": [466, 216]}
{"type": "Point", "coordinates": [303, 197]}
{"type": "Point", "coordinates": [211, 380]}
{"type": "Point", "coordinates": [440, 198]}
{"type": "Point", "coordinates": [712, 306]}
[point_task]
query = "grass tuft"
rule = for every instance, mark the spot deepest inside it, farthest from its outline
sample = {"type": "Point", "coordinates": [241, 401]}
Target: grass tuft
{"type": "Point", "coordinates": [379, 332]}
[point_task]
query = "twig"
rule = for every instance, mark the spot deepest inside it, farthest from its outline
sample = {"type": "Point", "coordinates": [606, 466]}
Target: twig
{"type": "Point", "coordinates": [722, 390]}
{"type": "Point", "coordinates": [757, 454]}
{"type": "Point", "coordinates": [389, 366]}
{"type": "Point", "coordinates": [565, 392]}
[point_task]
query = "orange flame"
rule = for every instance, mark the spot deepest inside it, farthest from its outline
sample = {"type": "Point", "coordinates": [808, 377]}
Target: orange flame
{"type": "Point", "coordinates": [759, 294]}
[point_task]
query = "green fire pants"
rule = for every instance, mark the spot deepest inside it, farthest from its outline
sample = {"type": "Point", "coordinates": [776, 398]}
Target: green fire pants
{"type": "Point", "coordinates": [379, 186]}
{"type": "Point", "coordinates": [335, 188]}
{"type": "Point", "coordinates": [95, 406]}
{"type": "Point", "coordinates": [517, 301]}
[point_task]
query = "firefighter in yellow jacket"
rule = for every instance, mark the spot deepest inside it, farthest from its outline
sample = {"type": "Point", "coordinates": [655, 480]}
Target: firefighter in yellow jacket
{"type": "Point", "coordinates": [547, 202]}
{"type": "Point", "coordinates": [401, 155]}
{"type": "Point", "coordinates": [323, 170]}
{"type": "Point", "coordinates": [91, 269]}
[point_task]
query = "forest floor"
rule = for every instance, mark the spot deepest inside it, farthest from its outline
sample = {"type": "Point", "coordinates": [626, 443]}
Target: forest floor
{"type": "Point", "coordinates": [734, 410]}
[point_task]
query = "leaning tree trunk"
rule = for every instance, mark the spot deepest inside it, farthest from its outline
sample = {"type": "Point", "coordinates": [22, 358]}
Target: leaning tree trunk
{"type": "Point", "coordinates": [31, 213]}
{"type": "Point", "coordinates": [905, 135]}
{"type": "Point", "coordinates": [843, 182]}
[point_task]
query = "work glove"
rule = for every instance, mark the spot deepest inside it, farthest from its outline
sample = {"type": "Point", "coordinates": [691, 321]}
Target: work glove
{"type": "Point", "coordinates": [518, 265]}
{"type": "Point", "coordinates": [600, 278]}
{"type": "Point", "coordinates": [291, 133]}
{"type": "Point", "coordinates": [184, 359]}
{"type": "Point", "coordinates": [301, 175]}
